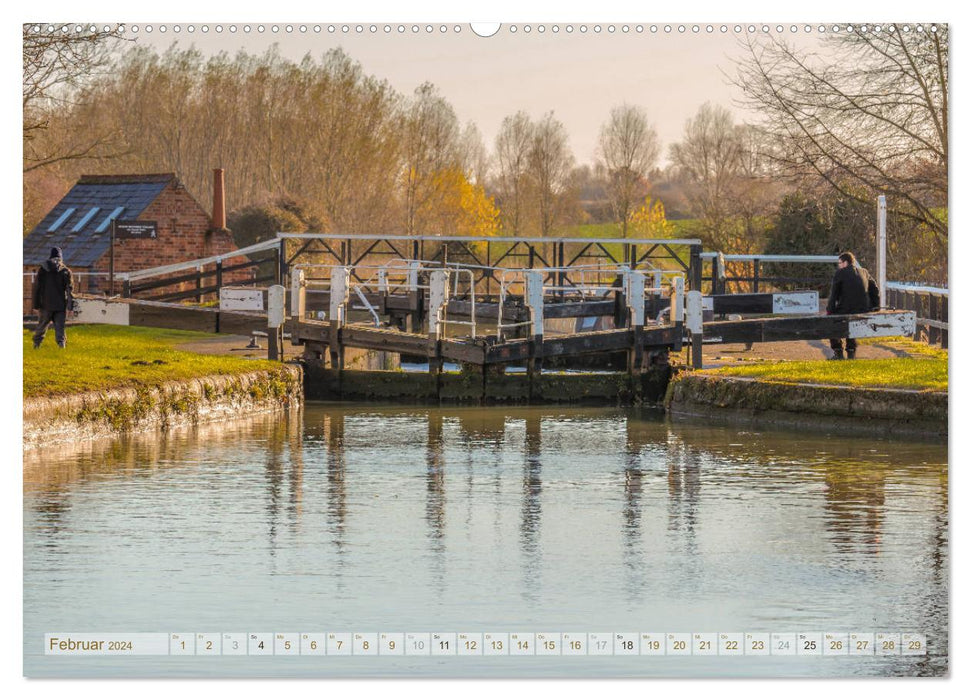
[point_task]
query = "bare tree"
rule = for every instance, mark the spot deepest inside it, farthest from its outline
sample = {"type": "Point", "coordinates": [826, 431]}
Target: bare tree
{"type": "Point", "coordinates": [473, 155]}
{"type": "Point", "coordinates": [723, 169]}
{"type": "Point", "coordinates": [59, 61]}
{"type": "Point", "coordinates": [870, 117]}
{"type": "Point", "coordinates": [550, 166]}
{"type": "Point", "coordinates": [431, 136]}
{"type": "Point", "coordinates": [628, 149]}
{"type": "Point", "coordinates": [513, 145]}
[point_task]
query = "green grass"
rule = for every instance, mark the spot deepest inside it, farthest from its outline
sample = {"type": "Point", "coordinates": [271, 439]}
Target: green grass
{"type": "Point", "coordinates": [923, 373]}
{"type": "Point", "coordinates": [107, 357]}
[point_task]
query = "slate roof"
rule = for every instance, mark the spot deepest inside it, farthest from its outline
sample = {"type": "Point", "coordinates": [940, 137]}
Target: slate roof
{"type": "Point", "coordinates": [107, 192]}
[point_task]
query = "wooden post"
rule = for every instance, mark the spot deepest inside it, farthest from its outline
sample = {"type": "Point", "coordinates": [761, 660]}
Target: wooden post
{"type": "Point", "coordinates": [933, 332]}
{"type": "Point", "coordinates": [111, 262]}
{"type": "Point", "coordinates": [694, 268]}
{"type": "Point", "coordinates": [944, 319]}
{"type": "Point", "coordinates": [199, 271]}
{"type": "Point", "coordinates": [755, 276]}
{"type": "Point", "coordinates": [281, 262]}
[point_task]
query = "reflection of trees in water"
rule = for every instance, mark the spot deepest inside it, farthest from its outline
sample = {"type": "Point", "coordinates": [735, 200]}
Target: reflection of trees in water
{"type": "Point", "coordinates": [52, 475]}
{"type": "Point", "coordinates": [854, 503]}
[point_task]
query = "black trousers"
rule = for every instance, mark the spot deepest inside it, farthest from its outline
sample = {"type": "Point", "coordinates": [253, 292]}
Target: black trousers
{"type": "Point", "coordinates": [837, 344]}
{"type": "Point", "coordinates": [46, 319]}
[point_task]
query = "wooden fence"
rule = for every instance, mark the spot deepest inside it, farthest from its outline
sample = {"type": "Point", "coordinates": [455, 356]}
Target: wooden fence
{"type": "Point", "coordinates": [930, 305]}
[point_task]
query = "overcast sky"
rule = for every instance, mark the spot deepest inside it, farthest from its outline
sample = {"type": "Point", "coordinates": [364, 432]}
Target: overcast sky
{"type": "Point", "coordinates": [579, 76]}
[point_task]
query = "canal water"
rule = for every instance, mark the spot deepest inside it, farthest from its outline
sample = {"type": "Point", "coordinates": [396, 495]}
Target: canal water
{"type": "Point", "coordinates": [378, 519]}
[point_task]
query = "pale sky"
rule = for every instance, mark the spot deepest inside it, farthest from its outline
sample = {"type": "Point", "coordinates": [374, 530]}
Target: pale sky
{"type": "Point", "coordinates": [579, 76]}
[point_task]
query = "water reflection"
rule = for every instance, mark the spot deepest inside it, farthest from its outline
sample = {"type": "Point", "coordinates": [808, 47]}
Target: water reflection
{"type": "Point", "coordinates": [435, 485]}
{"type": "Point", "coordinates": [336, 491]}
{"type": "Point", "coordinates": [604, 515]}
{"type": "Point", "coordinates": [531, 507]}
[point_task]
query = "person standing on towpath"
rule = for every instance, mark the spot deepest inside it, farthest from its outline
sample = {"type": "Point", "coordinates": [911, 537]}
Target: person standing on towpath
{"type": "Point", "coordinates": [53, 296]}
{"type": "Point", "coordinates": [853, 292]}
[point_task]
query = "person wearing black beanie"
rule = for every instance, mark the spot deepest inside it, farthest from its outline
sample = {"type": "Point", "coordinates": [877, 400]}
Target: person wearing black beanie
{"type": "Point", "coordinates": [53, 296]}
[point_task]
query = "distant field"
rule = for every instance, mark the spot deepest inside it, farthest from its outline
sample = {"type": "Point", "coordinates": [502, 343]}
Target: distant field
{"type": "Point", "coordinates": [682, 228]}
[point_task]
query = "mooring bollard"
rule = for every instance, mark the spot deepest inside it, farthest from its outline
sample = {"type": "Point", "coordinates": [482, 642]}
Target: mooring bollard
{"type": "Point", "coordinates": [275, 316]}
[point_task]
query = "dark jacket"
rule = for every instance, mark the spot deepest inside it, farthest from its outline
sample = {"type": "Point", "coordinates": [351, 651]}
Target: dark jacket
{"type": "Point", "coordinates": [54, 287]}
{"type": "Point", "coordinates": [853, 292]}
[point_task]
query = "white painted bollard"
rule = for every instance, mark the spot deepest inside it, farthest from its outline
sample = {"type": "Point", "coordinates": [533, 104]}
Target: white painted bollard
{"type": "Point", "coordinates": [339, 293]}
{"type": "Point", "coordinates": [413, 276]}
{"type": "Point", "coordinates": [534, 301]}
{"type": "Point", "coordinates": [437, 298]}
{"type": "Point", "coordinates": [298, 294]}
{"type": "Point", "coordinates": [276, 306]}
{"type": "Point", "coordinates": [636, 284]}
{"type": "Point", "coordinates": [677, 300]}
{"type": "Point", "coordinates": [276, 312]}
{"type": "Point", "coordinates": [693, 312]}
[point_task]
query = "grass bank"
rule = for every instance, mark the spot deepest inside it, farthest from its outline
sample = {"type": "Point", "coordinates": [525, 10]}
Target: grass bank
{"type": "Point", "coordinates": [926, 372]}
{"type": "Point", "coordinates": [101, 357]}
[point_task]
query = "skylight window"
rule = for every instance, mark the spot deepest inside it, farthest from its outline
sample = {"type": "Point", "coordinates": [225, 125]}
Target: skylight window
{"type": "Point", "coordinates": [85, 219]}
{"type": "Point", "coordinates": [61, 219]}
{"type": "Point", "coordinates": [108, 219]}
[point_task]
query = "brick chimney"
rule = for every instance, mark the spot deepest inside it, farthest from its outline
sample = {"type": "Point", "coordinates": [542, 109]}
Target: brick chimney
{"type": "Point", "coordinates": [218, 200]}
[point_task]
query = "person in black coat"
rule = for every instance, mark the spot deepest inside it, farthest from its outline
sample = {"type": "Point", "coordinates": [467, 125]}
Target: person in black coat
{"type": "Point", "coordinates": [853, 292]}
{"type": "Point", "coordinates": [53, 296]}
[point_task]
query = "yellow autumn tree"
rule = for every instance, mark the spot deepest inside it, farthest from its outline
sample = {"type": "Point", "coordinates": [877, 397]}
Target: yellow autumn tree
{"type": "Point", "coordinates": [649, 220]}
{"type": "Point", "coordinates": [459, 207]}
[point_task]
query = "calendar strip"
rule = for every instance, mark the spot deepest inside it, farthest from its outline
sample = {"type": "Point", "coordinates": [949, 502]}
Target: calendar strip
{"type": "Point", "coordinates": [504, 644]}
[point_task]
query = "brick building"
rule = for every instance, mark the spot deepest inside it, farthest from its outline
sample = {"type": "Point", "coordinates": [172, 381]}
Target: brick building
{"type": "Point", "coordinates": [80, 225]}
